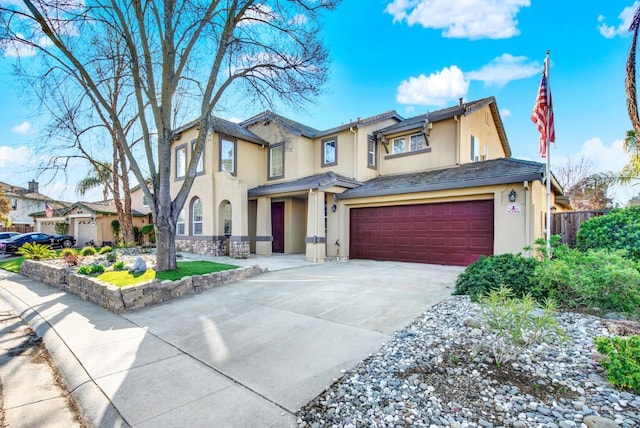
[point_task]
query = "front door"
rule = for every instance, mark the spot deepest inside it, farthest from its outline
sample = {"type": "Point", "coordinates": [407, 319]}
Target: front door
{"type": "Point", "coordinates": [277, 227]}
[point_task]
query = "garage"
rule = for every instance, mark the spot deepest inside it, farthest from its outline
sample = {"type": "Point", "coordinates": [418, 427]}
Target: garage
{"type": "Point", "coordinates": [452, 233]}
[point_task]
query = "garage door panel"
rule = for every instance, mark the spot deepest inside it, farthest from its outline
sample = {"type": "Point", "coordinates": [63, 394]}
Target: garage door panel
{"type": "Point", "coordinates": [455, 233]}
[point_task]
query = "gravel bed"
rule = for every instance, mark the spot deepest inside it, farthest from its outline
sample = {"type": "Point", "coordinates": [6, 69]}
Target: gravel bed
{"type": "Point", "coordinates": [428, 375]}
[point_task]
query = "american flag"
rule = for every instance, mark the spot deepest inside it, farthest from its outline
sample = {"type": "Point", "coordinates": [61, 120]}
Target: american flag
{"type": "Point", "coordinates": [48, 210]}
{"type": "Point", "coordinates": [543, 109]}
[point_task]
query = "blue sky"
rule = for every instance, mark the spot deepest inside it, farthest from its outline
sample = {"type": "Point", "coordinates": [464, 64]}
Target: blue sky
{"type": "Point", "coordinates": [414, 56]}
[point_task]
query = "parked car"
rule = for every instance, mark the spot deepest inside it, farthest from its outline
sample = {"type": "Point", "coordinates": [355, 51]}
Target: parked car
{"type": "Point", "coordinates": [7, 235]}
{"type": "Point", "coordinates": [11, 245]}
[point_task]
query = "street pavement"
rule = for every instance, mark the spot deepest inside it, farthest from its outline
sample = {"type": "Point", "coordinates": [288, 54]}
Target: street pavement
{"type": "Point", "coordinates": [246, 354]}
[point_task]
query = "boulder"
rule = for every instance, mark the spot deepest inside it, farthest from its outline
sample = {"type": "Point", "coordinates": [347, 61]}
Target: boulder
{"type": "Point", "coordinates": [139, 266]}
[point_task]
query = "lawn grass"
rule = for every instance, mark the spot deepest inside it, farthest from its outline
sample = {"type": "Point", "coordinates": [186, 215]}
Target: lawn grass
{"type": "Point", "coordinates": [124, 278]}
{"type": "Point", "coordinates": [12, 265]}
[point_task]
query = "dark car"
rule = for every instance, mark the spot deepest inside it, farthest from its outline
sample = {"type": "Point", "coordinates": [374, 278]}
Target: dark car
{"type": "Point", "coordinates": [7, 235]}
{"type": "Point", "coordinates": [11, 245]}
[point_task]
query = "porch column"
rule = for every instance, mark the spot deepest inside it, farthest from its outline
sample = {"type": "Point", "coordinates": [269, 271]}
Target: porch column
{"type": "Point", "coordinates": [263, 226]}
{"type": "Point", "coordinates": [316, 241]}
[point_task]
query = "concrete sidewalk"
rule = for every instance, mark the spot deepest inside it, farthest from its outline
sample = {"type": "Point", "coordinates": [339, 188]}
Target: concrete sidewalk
{"type": "Point", "coordinates": [245, 354]}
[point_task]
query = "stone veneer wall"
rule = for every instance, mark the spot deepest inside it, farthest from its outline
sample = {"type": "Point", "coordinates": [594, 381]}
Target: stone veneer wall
{"type": "Point", "coordinates": [214, 247]}
{"type": "Point", "coordinates": [239, 249]}
{"type": "Point", "coordinates": [120, 299]}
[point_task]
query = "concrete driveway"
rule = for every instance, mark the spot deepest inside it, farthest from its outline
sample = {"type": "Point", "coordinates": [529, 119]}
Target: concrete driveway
{"type": "Point", "coordinates": [244, 354]}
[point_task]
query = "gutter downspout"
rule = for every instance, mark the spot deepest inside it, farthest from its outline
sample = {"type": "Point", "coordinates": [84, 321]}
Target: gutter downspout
{"type": "Point", "coordinates": [355, 152]}
{"type": "Point", "coordinates": [457, 139]}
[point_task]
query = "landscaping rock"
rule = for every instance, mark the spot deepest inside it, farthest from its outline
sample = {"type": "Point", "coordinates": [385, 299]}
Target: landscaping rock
{"type": "Point", "coordinates": [140, 266]}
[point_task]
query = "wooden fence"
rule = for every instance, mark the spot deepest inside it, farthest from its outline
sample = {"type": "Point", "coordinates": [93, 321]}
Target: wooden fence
{"type": "Point", "coordinates": [567, 224]}
{"type": "Point", "coordinates": [20, 228]}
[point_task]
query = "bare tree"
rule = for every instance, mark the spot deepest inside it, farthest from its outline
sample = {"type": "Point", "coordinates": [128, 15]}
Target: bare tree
{"type": "Point", "coordinates": [586, 189]}
{"type": "Point", "coordinates": [182, 58]}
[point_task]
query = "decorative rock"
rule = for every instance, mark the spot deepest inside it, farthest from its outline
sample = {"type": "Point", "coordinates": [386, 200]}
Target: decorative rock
{"type": "Point", "coordinates": [140, 266]}
{"type": "Point", "coordinates": [593, 421]}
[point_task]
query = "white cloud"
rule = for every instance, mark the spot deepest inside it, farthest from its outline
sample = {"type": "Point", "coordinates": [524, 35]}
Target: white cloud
{"type": "Point", "coordinates": [436, 89]}
{"type": "Point", "coordinates": [234, 119]}
{"type": "Point", "coordinates": [626, 16]}
{"type": "Point", "coordinates": [505, 68]}
{"type": "Point", "coordinates": [505, 113]}
{"type": "Point", "coordinates": [472, 19]}
{"type": "Point", "coordinates": [257, 14]}
{"type": "Point", "coordinates": [15, 156]}
{"type": "Point", "coordinates": [23, 129]}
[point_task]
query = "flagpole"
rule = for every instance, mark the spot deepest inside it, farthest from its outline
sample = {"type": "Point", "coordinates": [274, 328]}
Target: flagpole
{"type": "Point", "coordinates": [548, 168]}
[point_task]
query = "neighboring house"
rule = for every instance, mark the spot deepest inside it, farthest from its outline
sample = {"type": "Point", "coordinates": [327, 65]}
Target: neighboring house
{"type": "Point", "coordinates": [439, 187]}
{"type": "Point", "coordinates": [86, 221]}
{"type": "Point", "coordinates": [25, 201]}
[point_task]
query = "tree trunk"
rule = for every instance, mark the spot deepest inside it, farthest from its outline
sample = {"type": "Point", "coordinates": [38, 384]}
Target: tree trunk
{"type": "Point", "coordinates": [165, 245]}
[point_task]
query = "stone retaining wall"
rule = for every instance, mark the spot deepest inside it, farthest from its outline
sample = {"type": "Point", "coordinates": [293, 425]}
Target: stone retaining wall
{"type": "Point", "coordinates": [121, 299]}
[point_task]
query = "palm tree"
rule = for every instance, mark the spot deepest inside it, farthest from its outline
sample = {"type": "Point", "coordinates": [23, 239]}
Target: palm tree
{"type": "Point", "coordinates": [103, 177]}
{"type": "Point", "coordinates": [632, 168]}
{"type": "Point", "coordinates": [630, 78]}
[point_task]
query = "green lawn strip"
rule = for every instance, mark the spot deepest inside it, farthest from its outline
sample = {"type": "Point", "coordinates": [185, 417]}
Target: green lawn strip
{"type": "Point", "coordinates": [124, 278]}
{"type": "Point", "coordinates": [12, 265]}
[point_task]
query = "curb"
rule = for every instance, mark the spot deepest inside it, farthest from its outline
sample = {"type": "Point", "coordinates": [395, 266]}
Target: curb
{"type": "Point", "coordinates": [91, 400]}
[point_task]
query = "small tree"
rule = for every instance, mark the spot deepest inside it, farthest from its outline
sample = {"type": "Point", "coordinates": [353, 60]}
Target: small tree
{"type": "Point", "coordinates": [5, 209]}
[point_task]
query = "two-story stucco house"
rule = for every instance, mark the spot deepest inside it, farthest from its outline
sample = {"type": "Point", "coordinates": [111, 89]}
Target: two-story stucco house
{"type": "Point", "coordinates": [439, 187]}
{"type": "Point", "coordinates": [25, 201]}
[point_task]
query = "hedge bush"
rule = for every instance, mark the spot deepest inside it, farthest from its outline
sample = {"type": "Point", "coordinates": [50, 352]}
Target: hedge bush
{"type": "Point", "coordinates": [594, 281]}
{"type": "Point", "coordinates": [504, 270]}
{"type": "Point", "coordinates": [618, 230]}
{"type": "Point", "coordinates": [623, 360]}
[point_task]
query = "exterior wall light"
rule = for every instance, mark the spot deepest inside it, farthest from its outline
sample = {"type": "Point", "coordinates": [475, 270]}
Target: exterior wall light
{"type": "Point", "coordinates": [512, 195]}
{"type": "Point", "coordinates": [334, 208]}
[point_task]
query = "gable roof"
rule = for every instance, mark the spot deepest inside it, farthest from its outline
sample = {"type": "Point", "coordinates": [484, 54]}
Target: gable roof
{"type": "Point", "coordinates": [101, 207]}
{"type": "Point", "coordinates": [298, 128]}
{"type": "Point", "coordinates": [225, 127]}
{"type": "Point", "coordinates": [318, 181]}
{"type": "Point", "coordinates": [462, 109]}
{"type": "Point", "coordinates": [12, 191]}
{"type": "Point", "coordinates": [485, 173]}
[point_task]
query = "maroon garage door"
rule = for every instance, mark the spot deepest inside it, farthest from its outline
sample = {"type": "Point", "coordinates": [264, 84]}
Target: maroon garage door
{"type": "Point", "coordinates": [454, 233]}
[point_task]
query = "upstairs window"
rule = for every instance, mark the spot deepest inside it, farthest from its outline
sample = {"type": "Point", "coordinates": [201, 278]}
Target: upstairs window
{"type": "Point", "coordinates": [14, 204]}
{"type": "Point", "coordinates": [329, 152]}
{"type": "Point", "coordinates": [200, 166]}
{"type": "Point", "coordinates": [398, 145]}
{"type": "Point", "coordinates": [181, 161]}
{"type": "Point", "coordinates": [276, 161]}
{"type": "Point", "coordinates": [371, 153]}
{"type": "Point", "coordinates": [145, 201]}
{"type": "Point", "coordinates": [228, 155]}
{"type": "Point", "coordinates": [417, 142]}
{"type": "Point", "coordinates": [475, 149]}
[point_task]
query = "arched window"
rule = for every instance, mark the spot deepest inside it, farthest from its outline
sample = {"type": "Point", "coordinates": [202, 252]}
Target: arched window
{"type": "Point", "coordinates": [227, 219]}
{"type": "Point", "coordinates": [196, 209]}
{"type": "Point", "coordinates": [180, 229]}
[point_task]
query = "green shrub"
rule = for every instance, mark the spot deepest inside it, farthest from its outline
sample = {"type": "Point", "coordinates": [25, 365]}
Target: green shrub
{"type": "Point", "coordinates": [106, 249]}
{"type": "Point", "coordinates": [35, 251]}
{"type": "Point", "coordinates": [95, 269]}
{"type": "Point", "coordinates": [596, 281]}
{"type": "Point", "coordinates": [88, 251]}
{"type": "Point", "coordinates": [68, 251]}
{"type": "Point", "coordinates": [622, 360]}
{"type": "Point", "coordinates": [112, 256]}
{"type": "Point", "coordinates": [511, 324]}
{"type": "Point", "coordinates": [492, 272]}
{"type": "Point", "coordinates": [618, 230]}
{"type": "Point", "coordinates": [84, 270]}
{"type": "Point", "coordinates": [118, 266]}
{"type": "Point", "coordinates": [72, 259]}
